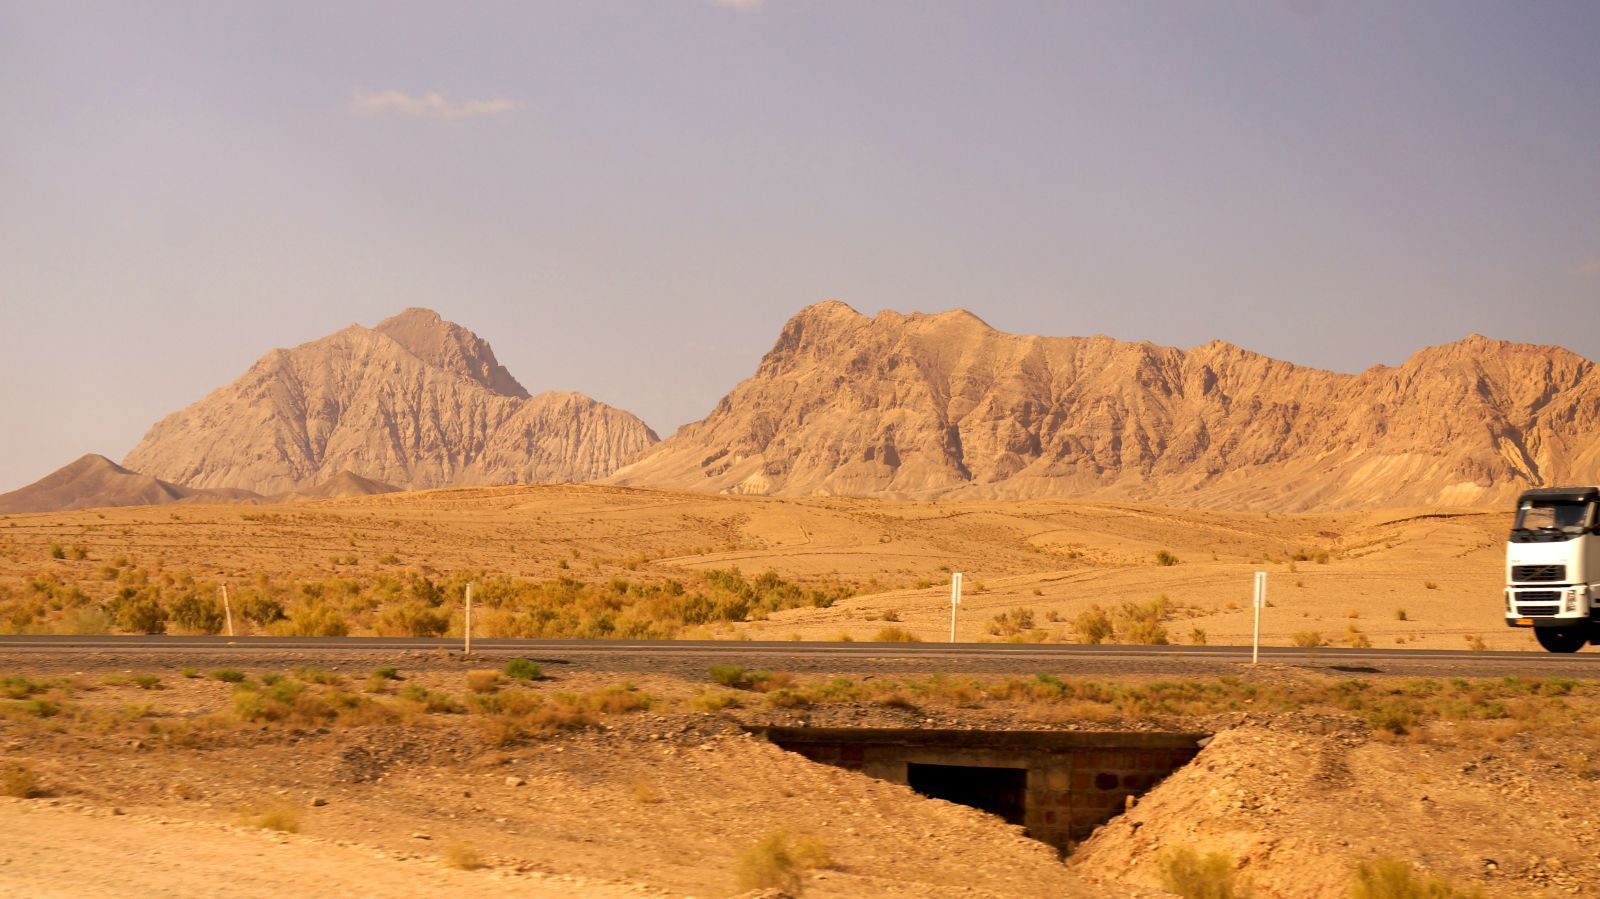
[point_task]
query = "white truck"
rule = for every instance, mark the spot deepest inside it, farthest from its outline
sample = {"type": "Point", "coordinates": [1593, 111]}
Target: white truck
{"type": "Point", "coordinates": [1553, 567]}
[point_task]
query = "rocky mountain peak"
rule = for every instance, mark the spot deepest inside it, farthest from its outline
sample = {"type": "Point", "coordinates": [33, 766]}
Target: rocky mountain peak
{"type": "Point", "coordinates": [447, 346]}
{"type": "Point", "coordinates": [415, 403]}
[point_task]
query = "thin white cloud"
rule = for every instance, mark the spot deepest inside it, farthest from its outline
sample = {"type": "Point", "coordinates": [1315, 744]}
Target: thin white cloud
{"type": "Point", "coordinates": [431, 105]}
{"type": "Point", "coordinates": [739, 4]}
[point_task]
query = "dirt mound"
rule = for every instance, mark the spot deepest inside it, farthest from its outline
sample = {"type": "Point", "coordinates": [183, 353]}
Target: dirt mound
{"type": "Point", "coordinates": [343, 485]}
{"type": "Point", "coordinates": [1297, 810]}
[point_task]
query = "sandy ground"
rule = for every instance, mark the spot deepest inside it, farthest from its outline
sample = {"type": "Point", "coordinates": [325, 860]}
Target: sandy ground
{"type": "Point", "coordinates": [56, 851]}
{"type": "Point", "coordinates": [665, 801]}
{"type": "Point", "coordinates": [662, 803]}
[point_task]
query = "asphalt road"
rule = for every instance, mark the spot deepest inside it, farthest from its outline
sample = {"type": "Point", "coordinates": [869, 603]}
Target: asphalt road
{"type": "Point", "coordinates": [949, 657]}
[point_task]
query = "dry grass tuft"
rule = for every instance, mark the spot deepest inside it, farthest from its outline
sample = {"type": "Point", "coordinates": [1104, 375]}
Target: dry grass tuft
{"type": "Point", "coordinates": [486, 681]}
{"type": "Point", "coordinates": [779, 861]}
{"type": "Point", "coordinates": [18, 781]}
{"type": "Point", "coordinates": [462, 857]}
{"type": "Point", "coordinates": [1391, 878]}
{"type": "Point", "coordinates": [1193, 876]}
{"type": "Point", "coordinates": [281, 817]}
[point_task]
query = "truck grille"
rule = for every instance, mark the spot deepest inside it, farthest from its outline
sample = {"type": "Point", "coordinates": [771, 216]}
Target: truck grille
{"type": "Point", "coordinates": [1536, 611]}
{"type": "Point", "coordinates": [1531, 574]}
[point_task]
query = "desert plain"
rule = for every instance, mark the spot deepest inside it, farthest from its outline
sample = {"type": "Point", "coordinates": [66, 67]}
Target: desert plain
{"type": "Point", "coordinates": [253, 771]}
{"type": "Point", "coordinates": [1421, 578]}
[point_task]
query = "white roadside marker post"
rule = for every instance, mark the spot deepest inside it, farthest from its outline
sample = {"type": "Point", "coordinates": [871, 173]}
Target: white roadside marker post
{"type": "Point", "coordinates": [227, 609]}
{"type": "Point", "coordinates": [955, 600]}
{"type": "Point", "coordinates": [467, 625]}
{"type": "Point", "coordinates": [1260, 603]}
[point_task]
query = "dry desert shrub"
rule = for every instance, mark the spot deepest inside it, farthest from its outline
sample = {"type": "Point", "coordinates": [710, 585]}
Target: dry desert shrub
{"type": "Point", "coordinates": [779, 861]}
{"type": "Point", "coordinates": [413, 618]}
{"type": "Point", "coordinates": [485, 681]}
{"type": "Point", "coordinates": [739, 679]}
{"type": "Point", "coordinates": [714, 702]}
{"type": "Point", "coordinates": [280, 817]}
{"type": "Point", "coordinates": [1141, 622]}
{"type": "Point", "coordinates": [462, 856]}
{"type": "Point", "coordinates": [895, 635]}
{"type": "Point", "coordinates": [317, 676]}
{"type": "Point", "coordinates": [422, 699]}
{"type": "Point", "coordinates": [1093, 625]}
{"type": "Point", "coordinates": [311, 618]}
{"type": "Point", "coordinates": [1309, 639]}
{"type": "Point", "coordinates": [513, 716]}
{"type": "Point", "coordinates": [524, 669]}
{"type": "Point", "coordinates": [18, 781]}
{"type": "Point", "coordinates": [1132, 623]}
{"type": "Point", "coordinates": [292, 702]}
{"type": "Point", "coordinates": [1193, 876]}
{"type": "Point", "coordinates": [1391, 878]}
{"type": "Point", "coordinates": [19, 687]}
{"type": "Point", "coordinates": [1010, 623]}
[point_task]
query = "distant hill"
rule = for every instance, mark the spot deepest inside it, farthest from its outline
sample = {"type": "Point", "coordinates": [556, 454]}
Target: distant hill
{"type": "Point", "coordinates": [342, 485]}
{"type": "Point", "coordinates": [943, 405]}
{"type": "Point", "coordinates": [94, 482]}
{"type": "Point", "coordinates": [416, 402]}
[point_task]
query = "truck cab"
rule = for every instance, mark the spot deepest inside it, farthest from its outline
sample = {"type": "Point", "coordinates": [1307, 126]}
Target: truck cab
{"type": "Point", "coordinates": [1553, 567]}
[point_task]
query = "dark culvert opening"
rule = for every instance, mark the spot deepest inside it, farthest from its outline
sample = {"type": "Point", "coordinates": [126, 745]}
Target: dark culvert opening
{"type": "Point", "coordinates": [999, 791]}
{"type": "Point", "coordinates": [1059, 786]}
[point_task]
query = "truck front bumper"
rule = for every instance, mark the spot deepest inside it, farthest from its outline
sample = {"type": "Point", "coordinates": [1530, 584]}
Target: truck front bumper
{"type": "Point", "coordinates": [1550, 605]}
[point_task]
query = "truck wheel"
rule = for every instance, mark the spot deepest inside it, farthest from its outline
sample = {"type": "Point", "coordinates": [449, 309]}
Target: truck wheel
{"type": "Point", "coordinates": [1562, 639]}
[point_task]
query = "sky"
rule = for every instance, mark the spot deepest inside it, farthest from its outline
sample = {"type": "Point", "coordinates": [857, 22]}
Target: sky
{"type": "Point", "coordinates": [630, 198]}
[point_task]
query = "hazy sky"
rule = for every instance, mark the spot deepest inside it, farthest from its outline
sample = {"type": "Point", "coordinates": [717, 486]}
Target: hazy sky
{"type": "Point", "coordinates": [629, 198]}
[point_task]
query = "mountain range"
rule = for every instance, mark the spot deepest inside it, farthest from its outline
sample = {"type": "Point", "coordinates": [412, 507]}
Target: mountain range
{"type": "Point", "coordinates": [944, 406]}
{"type": "Point", "coordinates": [925, 406]}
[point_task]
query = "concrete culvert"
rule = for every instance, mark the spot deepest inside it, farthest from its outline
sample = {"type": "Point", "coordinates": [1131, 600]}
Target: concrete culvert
{"type": "Point", "coordinates": [1059, 786]}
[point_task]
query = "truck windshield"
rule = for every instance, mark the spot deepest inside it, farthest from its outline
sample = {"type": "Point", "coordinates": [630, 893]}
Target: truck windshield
{"type": "Point", "coordinates": [1553, 518]}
